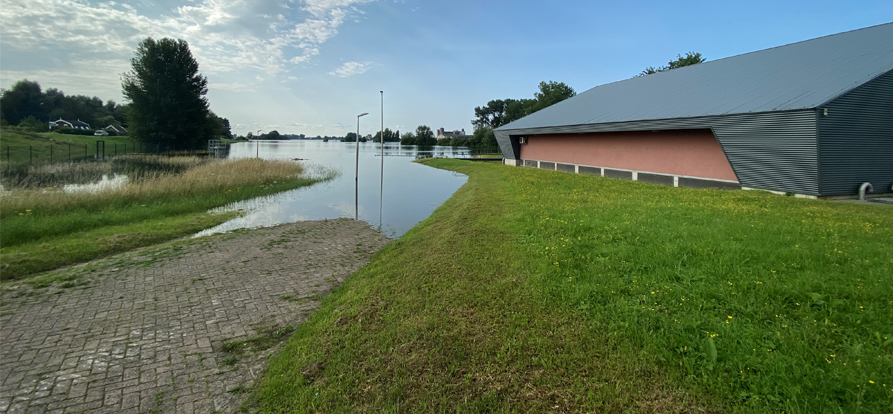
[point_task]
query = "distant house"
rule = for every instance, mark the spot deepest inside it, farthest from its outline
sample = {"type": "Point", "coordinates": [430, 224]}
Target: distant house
{"type": "Point", "coordinates": [101, 133]}
{"type": "Point", "coordinates": [116, 129]}
{"type": "Point", "coordinates": [458, 133]}
{"type": "Point", "coordinates": [62, 123]}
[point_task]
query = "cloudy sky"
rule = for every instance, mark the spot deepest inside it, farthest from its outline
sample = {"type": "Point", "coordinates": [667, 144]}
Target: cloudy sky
{"type": "Point", "coordinates": [310, 66]}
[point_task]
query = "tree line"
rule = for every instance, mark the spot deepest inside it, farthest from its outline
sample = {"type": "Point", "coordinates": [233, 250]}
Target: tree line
{"type": "Point", "coordinates": [166, 94]}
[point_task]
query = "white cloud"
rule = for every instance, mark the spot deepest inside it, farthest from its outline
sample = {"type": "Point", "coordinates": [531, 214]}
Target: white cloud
{"type": "Point", "coordinates": [231, 86]}
{"type": "Point", "coordinates": [351, 68]}
{"type": "Point", "coordinates": [224, 35]}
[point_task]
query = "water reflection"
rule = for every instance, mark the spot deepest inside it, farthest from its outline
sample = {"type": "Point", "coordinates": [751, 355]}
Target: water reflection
{"type": "Point", "coordinates": [409, 194]}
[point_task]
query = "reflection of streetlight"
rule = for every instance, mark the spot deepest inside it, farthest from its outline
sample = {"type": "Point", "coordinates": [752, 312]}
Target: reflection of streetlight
{"type": "Point", "coordinates": [357, 176]}
{"type": "Point", "coordinates": [257, 144]}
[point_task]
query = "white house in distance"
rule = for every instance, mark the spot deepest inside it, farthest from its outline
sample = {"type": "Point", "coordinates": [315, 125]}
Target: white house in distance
{"type": "Point", "coordinates": [62, 123]}
{"type": "Point", "coordinates": [458, 133]}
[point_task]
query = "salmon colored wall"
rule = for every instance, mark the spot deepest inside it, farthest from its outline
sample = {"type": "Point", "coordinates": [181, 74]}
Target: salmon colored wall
{"type": "Point", "coordinates": [694, 153]}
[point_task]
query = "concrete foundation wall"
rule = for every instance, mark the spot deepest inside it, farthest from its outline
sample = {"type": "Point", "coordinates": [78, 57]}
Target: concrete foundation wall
{"type": "Point", "coordinates": [693, 153]}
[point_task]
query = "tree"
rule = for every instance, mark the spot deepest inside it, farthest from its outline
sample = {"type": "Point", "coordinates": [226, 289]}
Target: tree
{"type": "Point", "coordinates": [551, 93]}
{"type": "Point", "coordinates": [350, 137]}
{"type": "Point", "coordinates": [167, 95]}
{"type": "Point", "coordinates": [690, 58]}
{"type": "Point", "coordinates": [389, 136]}
{"type": "Point", "coordinates": [502, 111]}
{"type": "Point", "coordinates": [24, 99]}
{"type": "Point", "coordinates": [424, 136]}
{"type": "Point", "coordinates": [408, 139]}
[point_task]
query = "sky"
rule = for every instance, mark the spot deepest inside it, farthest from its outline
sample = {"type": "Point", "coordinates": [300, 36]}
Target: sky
{"type": "Point", "coordinates": [311, 66]}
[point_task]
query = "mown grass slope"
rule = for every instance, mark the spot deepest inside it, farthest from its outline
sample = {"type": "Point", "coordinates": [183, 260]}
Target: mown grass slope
{"type": "Point", "coordinates": [26, 147]}
{"type": "Point", "coordinates": [535, 291]}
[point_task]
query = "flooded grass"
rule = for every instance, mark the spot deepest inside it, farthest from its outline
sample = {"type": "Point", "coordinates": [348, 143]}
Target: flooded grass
{"type": "Point", "coordinates": [36, 221]}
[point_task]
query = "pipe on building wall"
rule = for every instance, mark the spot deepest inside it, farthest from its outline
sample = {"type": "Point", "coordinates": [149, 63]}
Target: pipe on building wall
{"type": "Point", "coordinates": [862, 188]}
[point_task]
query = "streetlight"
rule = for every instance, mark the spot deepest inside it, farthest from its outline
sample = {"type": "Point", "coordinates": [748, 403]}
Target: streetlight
{"type": "Point", "coordinates": [257, 144]}
{"type": "Point", "coordinates": [381, 188]}
{"type": "Point", "coordinates": [357, 176]}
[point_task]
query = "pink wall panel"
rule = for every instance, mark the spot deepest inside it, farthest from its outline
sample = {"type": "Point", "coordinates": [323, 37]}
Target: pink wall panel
{"type": "Point", "coordinates": [694, 153]}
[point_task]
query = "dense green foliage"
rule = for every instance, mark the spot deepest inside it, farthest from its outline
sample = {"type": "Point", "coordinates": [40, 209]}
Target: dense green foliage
{"type": "Point", "coordinates": [499, 112]}
{"type": "Point", "coordinates": [167, 94]}
{"type": "Point", "coordinates": [389, 136]}
{"type": "Point", "coordinates": [535, 291]}
{"type": "Point", "coordinates": [422, 136]}
{"type": "Point", "coordinates": [690, 58]}
{"type": "Point", "coordinates": [25, 99]}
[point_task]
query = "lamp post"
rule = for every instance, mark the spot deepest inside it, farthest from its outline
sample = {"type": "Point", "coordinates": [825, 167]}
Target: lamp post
{"type": "Point", "coordinates": [381, 188]}
{"type": "Point", "coordinates": [357, 176]}
{"type": "Point", "coordinates": [257, 144]}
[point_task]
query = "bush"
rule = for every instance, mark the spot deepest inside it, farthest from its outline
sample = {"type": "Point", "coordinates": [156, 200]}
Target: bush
{"type": "Point", "coordinates": [33, 124]}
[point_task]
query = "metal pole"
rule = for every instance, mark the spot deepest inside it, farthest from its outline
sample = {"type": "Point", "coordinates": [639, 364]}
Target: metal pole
{"type": "Point", "coordinates": [381, 188]}
{"type": "Point", "coordinates": [356, 178]}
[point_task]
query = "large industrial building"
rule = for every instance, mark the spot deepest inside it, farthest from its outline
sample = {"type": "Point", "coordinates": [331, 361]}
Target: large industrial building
{"type": "Point", "coordinates": [813, 118]}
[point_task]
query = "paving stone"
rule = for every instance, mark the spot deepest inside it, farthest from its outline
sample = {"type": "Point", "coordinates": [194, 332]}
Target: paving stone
{"type": "Point", "coordinates": [146, 333]}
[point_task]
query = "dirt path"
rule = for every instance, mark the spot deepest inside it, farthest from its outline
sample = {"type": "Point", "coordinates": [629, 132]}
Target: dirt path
{"type": "Point", "coordinates": [183, 328]}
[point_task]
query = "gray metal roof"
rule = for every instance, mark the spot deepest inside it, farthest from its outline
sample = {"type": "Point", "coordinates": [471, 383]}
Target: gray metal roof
{"type": "Point", "coordinates": [800, 75]}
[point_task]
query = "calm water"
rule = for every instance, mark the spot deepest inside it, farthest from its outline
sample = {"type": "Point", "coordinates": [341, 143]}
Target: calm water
{"type": "Point", "coordinates": [411, 191]}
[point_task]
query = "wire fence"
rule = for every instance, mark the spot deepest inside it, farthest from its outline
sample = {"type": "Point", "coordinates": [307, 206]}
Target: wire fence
{"type": "Point", "coordinates": [46, 154]}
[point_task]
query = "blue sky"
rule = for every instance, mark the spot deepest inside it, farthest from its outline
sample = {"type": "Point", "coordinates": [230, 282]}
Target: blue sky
{"type": "Point", "coordinates": [311, 66]}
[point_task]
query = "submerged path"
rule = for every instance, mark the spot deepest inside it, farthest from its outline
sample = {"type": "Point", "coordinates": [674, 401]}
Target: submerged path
{"type": "Point", "coordinates": [182, 328]}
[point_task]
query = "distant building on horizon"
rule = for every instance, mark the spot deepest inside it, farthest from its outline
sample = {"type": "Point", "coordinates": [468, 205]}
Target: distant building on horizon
{"type": "Point", "coordinates": [457, 133]}
{"type": "Point", "coordinates": [63, 123]}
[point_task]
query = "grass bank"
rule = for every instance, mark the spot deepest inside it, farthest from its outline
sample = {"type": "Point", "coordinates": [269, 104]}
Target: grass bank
{"type": "Point", "coordinates": [25, 147]}
{"type": "Point", "coordinates": [42, 230]}
{"type": "Point", "coordinates": [534, 291]}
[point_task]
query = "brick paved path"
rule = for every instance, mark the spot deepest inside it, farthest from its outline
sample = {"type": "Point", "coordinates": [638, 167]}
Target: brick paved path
{"type": "Point", "coordinates": [143, 332]}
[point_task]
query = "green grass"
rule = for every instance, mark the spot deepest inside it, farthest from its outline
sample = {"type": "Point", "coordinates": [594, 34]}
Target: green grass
{"type": "Point", "coordinates": [43, 231]}
{"type": "Point", "coordinates": [532, 291]}
{"type": "Point", "coordinates": [19, 141]}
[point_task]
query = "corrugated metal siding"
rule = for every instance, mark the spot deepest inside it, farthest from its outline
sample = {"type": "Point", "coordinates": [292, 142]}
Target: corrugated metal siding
{"type": "Point", "coordinates": [773, 151]}
{"type": "Point", "coordinates": [856, 139]}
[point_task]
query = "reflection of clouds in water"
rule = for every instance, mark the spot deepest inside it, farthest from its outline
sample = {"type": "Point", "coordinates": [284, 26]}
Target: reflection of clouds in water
{"type": "Point", "coordinates": [411, 191]}
{"type": "Point", "coordinates": [346, 209]}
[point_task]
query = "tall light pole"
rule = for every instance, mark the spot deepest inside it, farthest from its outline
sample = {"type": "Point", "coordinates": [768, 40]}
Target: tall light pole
{"type": "Point", "coordinates": [381, 189]}
{"type": "Point", "coordinates": [356, 178]}
{"type": "Point", "coordinates": [257, 144]}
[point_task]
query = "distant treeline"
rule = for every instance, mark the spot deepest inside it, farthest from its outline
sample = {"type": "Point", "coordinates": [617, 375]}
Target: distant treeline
{"type": "Point", "coordinates": [26, 102]}
{"type": "Point", "coordinates": [26, 105]}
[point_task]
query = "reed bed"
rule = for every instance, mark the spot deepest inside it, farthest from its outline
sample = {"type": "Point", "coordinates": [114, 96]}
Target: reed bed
{"type": "Point", "coordinates": [181, 176]}
{"type": "Point", "coordinates": [136, 167]}
{"type": "Point", "coordinates": [47, 228]}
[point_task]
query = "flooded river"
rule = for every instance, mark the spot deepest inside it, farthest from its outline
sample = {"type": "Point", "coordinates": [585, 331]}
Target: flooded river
{"type": "Point", "coordinates": [410, 193]}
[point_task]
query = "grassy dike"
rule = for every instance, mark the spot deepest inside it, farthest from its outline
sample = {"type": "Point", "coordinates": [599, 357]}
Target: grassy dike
{"type": "Point", "coordinates": [45, 230]}
{"type": "Point", "coordinates": [535, 291]}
